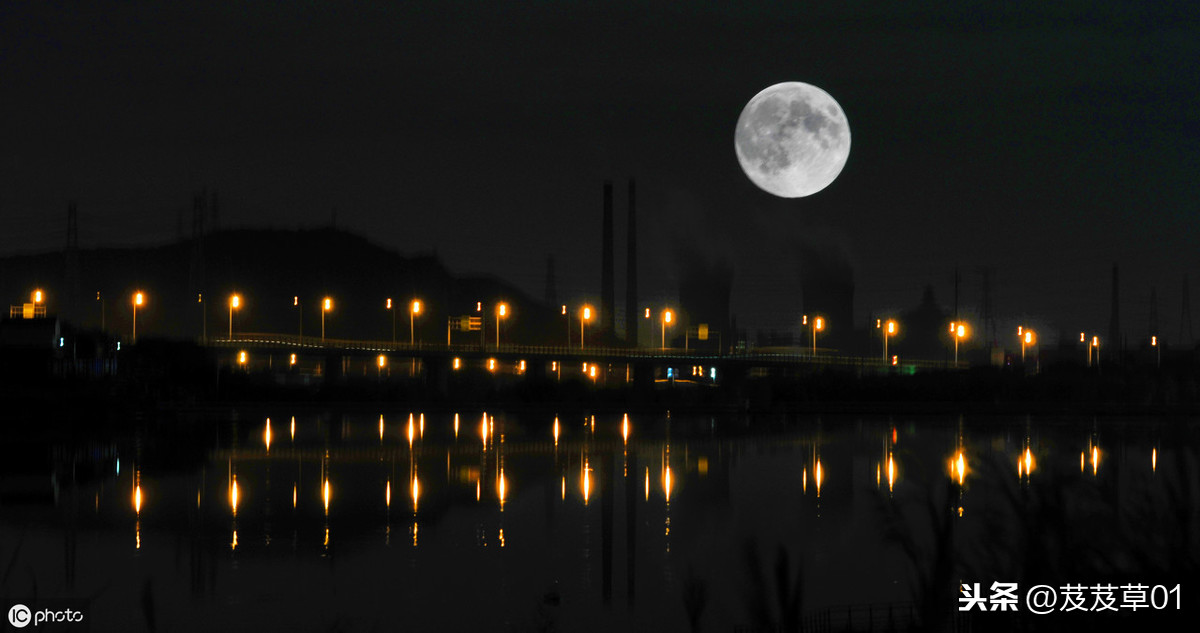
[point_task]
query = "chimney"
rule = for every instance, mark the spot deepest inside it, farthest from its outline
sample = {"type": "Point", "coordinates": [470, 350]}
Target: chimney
{"type": "Point", "coordinates": [631, 293]}
{"type": "Point", "coordinates": [607, 292]}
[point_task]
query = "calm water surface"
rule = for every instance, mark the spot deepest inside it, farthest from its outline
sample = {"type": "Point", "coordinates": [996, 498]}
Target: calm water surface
{"type": "Point", "coordinates": [422, 521]}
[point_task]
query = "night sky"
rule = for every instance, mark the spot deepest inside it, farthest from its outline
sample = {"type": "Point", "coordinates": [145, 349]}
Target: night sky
{"type": "Point", "coordinates": [1046, 142]}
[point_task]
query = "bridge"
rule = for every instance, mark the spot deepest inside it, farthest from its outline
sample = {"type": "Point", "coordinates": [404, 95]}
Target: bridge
{"type": "Point", "coordinates": [258, 350]}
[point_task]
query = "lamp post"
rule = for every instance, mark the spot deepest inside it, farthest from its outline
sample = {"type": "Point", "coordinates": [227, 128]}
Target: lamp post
{"type": "Point", "coordinates": [1157, 351]}
{"type": "Point", "coordinates": [388, 306]}
{"type": "Point", "coordinates": [959, 331]}
{"type": "Point", "coordinates": [666, 320]}
{"type": "Point", "coordinates": [818, 325]}
{"type": "Point", "coordinates": [585, 316]}
{"type": "Point", "coordinates": [568, 317]}
{"type": "Point", "coordinates": [1027, 339]}
{"type": "Point", "coordinates": [326, 306]}
{"type": "Point", "coordinates": [501, 312]}
{"type": "Point", "coordinates": [235, 302]}
{"type": "Point", "coordinates": [138, 299]}
{"type": "Point", "coordinates": [414, 310]}
{"type": "Point", "coordinates": [299, 311]}
{"type": "Point", "coordinates": [1096, 344]}
{"type": "Point", "coordinates": [888, 329]}
{"type": "Point", "coordinates": [203, 317]}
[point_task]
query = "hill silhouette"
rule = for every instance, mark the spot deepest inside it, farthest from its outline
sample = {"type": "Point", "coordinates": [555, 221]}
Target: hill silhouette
{"type": "Point", "coordinates": [268, 268]}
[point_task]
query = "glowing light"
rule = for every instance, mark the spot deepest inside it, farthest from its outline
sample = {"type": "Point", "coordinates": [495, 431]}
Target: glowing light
{"type": "Point", "coordinates": [327, 304]}
{"type": "Point", "coordinates": [1153, 460]}
{"type": "Point", "coordinates": [455, 426]}
{"type": "Point", "coordinates": [37, 296]}
{"type": "Point", "coordinates": [625, 429]}
{"type": "Point", "coordinates": [587, 313]}
{"type": "Point", "coordinates": [294, 490]}
{"type": "Point", "coordinates": [388, 305]}
{"type": "Point", "coordinates": [387, 494]}
{"type": "Point", "coordinates": [292, 360]}
{"type": "Point", "coordinates": [960, 331]}
{"type": "Point", "coordinates": [235, 302]}
{"type": "Point", "coordinates": [895, 360]}
{"type": "Point", "coordinates": [421, 425]}
{"type": "Point", "coordinates": [295, 300]}
{"type": "Point", "coordinates": [564, 487]}
{"type": "Point", "coordinates": [325, 495]}
{"type": "Point", "coordinates": [667, 482]}
{"type": "Point", "coordinates": [1080, 461]}
{"type": "Point", "coordinates": [587, 482]}
{"type": "Point", "coordinates": [137, 499]}
{"type": "Point", "coordinates": [564, 309]}
{"type": "Point", "coordinates": [820, 325]}
{"type": "Point", "coordinates": [556, 431]}
{"type": "Point", "coordinates": [267, 435]}
{"type": "Point", "coordinates": [457, 362]}
{"type": "Point", "coordinates": [381, 427]}
{"type": "Point", "coordinates": [491, 364]}
{"type": "Point", "coordinates": [592, 371]}
{"type": "Point", "coordinates": [1153, 341]}
{"type": "Point", "coordinates": [891, 327]}
{"type": "Point", "coordinates": [501, 487]}
{"type": "Point", "coordinates": [804, 481]}
{"type": "Point", "coordinates": [667, 316]}
{"type": "Point", "coordinates": [416, 491]}
{"type": "Point", "coordinates": [1028, 337]}
{"type": "Point", "coordinates": [1028, 461]}
{"type": "Point", "coordinates": [521, 366]}
{"type": "Point", "coordinates": [483, 430]}
{"type": "Point", "coordinates": [411, 431]}
{"type": "Point", "coordinates": [891, 472]}
{"type": "Point", "coordinates": [233, 495]}
{"type": "Point", "coordinates": [293, 429]}
{"type": "Point", "coordinates": [1095, 459]}
{"type": "Point", "coordinates": [382, 360]}
{"type": "Point", "coordinates": [647, 313]}
{"type": "Point", "coordinates": [960, 466]}
{"type": "Point", "coordinates": [138, 299]}
{"type": "Point", "coordinates": [502, 309]}
{"type": "Point", "coordinates": [818, 475]}
{"type": "Point", "coordinates": [242, 358]}
{"type": "Point", "coordinates": [647, 483]}
{"type": "Point", "coordinates": [416, 307]}
{"type": "Point", "coordinates": [477, 490]}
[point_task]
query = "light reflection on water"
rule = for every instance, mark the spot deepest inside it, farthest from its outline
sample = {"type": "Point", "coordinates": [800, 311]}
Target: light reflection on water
{"type": "Point", "coordinates": [555, 499]}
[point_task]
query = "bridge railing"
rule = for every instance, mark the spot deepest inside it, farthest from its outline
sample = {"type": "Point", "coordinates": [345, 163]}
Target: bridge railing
{"type": "Point", "coordinates": [759, 356]}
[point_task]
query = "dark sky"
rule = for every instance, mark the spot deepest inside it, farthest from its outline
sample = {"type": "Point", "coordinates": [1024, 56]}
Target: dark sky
{"type": "Point", "coordinates": [1047, 142]}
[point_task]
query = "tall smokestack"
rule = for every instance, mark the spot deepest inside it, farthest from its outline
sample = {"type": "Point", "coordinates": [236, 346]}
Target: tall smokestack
{"type": "Point", "coordinates": [1114, 321]}
{"type": "Point", "coordinates": [631, 294]}
{"type": "Point", "coordinates": [607, 292]}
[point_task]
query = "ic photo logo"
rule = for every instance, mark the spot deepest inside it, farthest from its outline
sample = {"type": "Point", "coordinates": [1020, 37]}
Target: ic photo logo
{"type": "Point", "coordinates": [20, 616]}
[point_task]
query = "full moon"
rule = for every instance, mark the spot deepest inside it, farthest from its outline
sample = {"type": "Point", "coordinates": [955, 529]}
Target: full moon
{"type": "Point", "coordinates": [792, 139]}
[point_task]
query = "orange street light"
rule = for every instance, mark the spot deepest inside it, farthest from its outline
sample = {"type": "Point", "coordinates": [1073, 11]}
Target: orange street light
{"type": "Point", "coordinates": [667, 316]}
{"type": "Point", "coordinates": [37, 296]}
{"type": "Point", "coordinates": [568, 317]}
{"type": "Point", "coordinates": [388, 306]}
{"type": "Point", "coordinates": [413, 311]}
{"type": "Point", "coordinates": [960, 332]}
{"type": "Point", "coordinates": [887, 329]}
{"type": "Point", "coordinates": [326, 306]}
{"type": "Point", "coordinates": [501, 312]}
{"type": "Point", "coordinates": [138, 299]}
{"type": "Point", "coordinates": [1027, 338]}
{"type": "Point", "coordinates": [235, 302]}
{"type": "Point", "coordinates": [585, 316]}
{"type": "Point", "coordinates": [818, 325]}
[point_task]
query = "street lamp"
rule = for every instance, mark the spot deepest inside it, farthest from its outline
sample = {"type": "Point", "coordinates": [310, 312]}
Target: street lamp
{"type": "Point", "coordinates": [326, 306]}
{"type": "Point", "coordinates": [388, 307]}
{"type": "Point", "coordinates": [1095, 344]}
{"type": "Point", "coordinates": [37, 296]}
{"type": "Point", "coordinates": [888, 330]}
{"type": "Point", "coordinates": [1157, 351]}
{"type": "Point", "coordinates": [138, 299]}
{"type": "Point", "coordinates": [568, 317]}
{"type": "Point", "coordinates": [585, 316]}
{"type": "Point", "coordinates": [1027, 338]}
{"type": "Point", "coordinates": [818, 325]}
{"type": "Point", "coordinates": [959, 332]}
{"type": "Point", "coordinates": [501, 312]}
{"type": "Point", "coordinates": [666, 320]}
{"type": "Point", "coordinates": [414, 310]}
{"type": "Point", "coordinates": [300, 311]}
{"type": "Point", "coordinates": [235, 302]}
